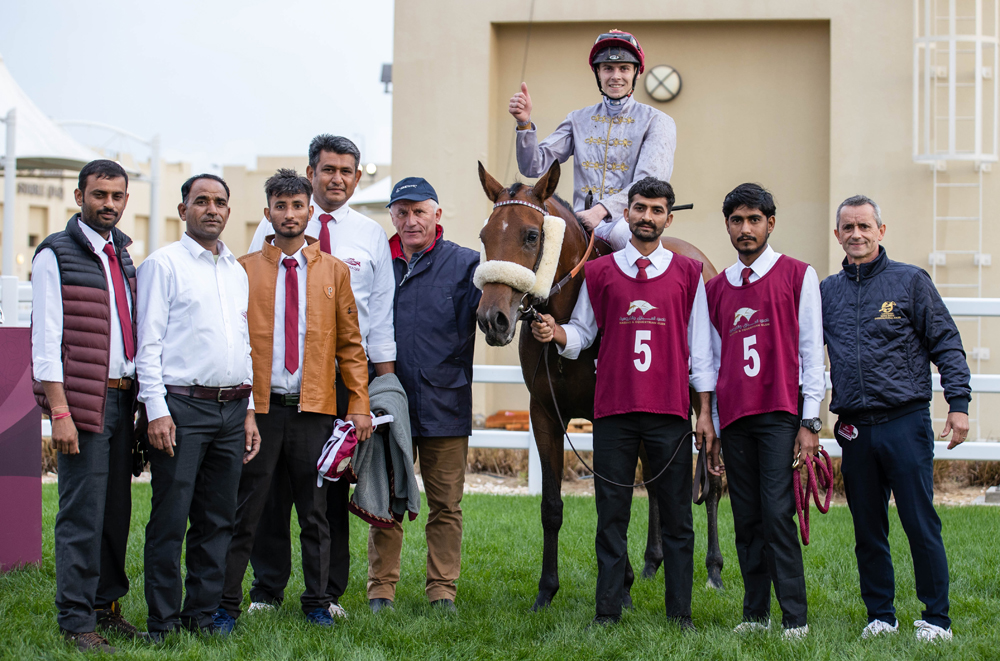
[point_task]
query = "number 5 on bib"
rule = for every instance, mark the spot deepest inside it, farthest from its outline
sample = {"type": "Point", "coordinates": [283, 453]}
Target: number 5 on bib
{"type": "Point", "coordinates": [749, 353]}
{"type": "Point", "coordinates": [643, 349]}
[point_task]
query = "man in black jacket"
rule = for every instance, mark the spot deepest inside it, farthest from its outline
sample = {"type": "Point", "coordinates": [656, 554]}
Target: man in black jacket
{"type": "Point", "coordinates": [435, 321]}
{"type": "Point", "coordinates": [884, 323]}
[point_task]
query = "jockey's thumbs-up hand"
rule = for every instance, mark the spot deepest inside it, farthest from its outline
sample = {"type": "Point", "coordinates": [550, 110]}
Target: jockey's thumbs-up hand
{"type": "Point", "coordinates": [520, 105]}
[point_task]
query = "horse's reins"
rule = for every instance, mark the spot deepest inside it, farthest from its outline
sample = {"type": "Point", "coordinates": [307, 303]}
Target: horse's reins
{"type": "Point", "coordinates": [528, 310]}
{"type": "Point", "coordinates": [814, 481]}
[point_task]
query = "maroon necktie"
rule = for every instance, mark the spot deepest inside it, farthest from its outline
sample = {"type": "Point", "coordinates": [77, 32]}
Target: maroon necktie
{"type": "Point", "coordinates": [291, 315]}
{"type": "Point", "coordinates": [324, 232]}
{"type": "Point", "coordinates": [121, 301]}
{"type": "Point", "coordinates": [641, 264]}
{"type": "Point", "coordinates": [747, 272]}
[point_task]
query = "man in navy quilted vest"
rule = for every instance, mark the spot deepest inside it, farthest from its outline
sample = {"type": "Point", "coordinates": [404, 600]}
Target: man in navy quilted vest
{"type": "Point", "coordinates": [82, 352]}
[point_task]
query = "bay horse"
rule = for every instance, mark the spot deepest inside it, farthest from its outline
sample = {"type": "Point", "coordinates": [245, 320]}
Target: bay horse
{"type": "Point", "coordinates": [514, 241]}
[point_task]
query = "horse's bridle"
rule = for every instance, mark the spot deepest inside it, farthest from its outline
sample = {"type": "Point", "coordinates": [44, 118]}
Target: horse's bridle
{"type": "Point", "coordinates": [526, 308]}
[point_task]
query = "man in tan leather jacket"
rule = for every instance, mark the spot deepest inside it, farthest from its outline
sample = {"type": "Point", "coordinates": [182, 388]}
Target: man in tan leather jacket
{"type": "Point", "coordinates": [303, 321]}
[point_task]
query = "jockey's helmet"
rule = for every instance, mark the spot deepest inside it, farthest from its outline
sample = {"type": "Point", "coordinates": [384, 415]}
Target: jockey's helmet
{"type": "Point", "coordinates": [617, 46]}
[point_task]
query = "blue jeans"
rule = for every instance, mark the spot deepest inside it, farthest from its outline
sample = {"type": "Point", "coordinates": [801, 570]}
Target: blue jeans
{"type": "Point", "coordinates": [896, 456]}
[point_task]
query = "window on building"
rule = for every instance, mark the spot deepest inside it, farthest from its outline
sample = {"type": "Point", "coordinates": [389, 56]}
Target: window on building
{"type": "Point", "coordinates": [38, 224]}
{"type": "Point", "coordinates": [172, 230]}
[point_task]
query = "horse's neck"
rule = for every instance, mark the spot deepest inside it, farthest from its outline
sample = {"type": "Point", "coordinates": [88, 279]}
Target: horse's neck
{"type": "Point", "coordinates": [574, 246]}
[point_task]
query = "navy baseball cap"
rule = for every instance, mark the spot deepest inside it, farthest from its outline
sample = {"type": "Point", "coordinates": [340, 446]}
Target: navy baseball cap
{"type": "Point", "coordinates": [412, 188]}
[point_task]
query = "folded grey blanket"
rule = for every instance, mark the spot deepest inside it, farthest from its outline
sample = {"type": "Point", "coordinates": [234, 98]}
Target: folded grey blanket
{"type": "Point", "coordinates": [387, 486]}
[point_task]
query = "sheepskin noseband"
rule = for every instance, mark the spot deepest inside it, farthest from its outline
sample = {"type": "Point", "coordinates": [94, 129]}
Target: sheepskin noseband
{"type": "Point", "coordinates": [537, 283]}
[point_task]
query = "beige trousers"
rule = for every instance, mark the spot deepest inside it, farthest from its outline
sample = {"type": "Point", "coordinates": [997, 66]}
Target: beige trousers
{"type": "Point", "coordinates": [442, 467]}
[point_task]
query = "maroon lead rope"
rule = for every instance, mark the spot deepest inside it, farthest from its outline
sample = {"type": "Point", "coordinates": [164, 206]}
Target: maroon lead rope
{"type": "Point", "coordinates": [813, 482]}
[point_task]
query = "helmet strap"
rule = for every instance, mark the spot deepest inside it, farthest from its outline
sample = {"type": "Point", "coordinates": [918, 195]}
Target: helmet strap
{"type": "Point", "coordinates": [621, 101]}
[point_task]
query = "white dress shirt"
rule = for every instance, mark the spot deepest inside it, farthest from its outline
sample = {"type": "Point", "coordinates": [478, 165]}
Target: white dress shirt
{"type": "Point", "coordinates": [47, 314]}
{"type": "Point", "coordinates": [811, 356]}
{"type": "Point", "coordinates": [362, 245]}
{"type": "Point", "coordinates": [282, 381]}
{"type": "Point", "coordinates": [192, 322]}
{"type": "Point", "coordinates": [581, 330]}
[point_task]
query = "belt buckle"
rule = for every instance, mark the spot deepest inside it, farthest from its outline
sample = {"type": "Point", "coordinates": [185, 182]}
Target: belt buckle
{"type": "Point", "coordinates": [218, 396]}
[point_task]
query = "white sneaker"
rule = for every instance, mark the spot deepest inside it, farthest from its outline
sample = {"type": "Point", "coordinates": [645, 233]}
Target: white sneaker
{"type": "Point", "coordinates": [931, 633]}
{"type": "Point", "coordinates": [260, 606]}
{"type": "Point", "coordinates": [798, 633]}
{"type": "Point", "coordinates": [879, 627]}
{"type": "Point", "coordinates": [336, 610]}
{"type": "Point", "coordinates": [750, 627]}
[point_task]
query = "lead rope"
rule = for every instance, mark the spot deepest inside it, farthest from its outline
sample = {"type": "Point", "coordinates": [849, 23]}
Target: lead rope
{"type": "Point", "coordinates": [548, 374]}
{"type": "Point", "coordinates": [813, 482]}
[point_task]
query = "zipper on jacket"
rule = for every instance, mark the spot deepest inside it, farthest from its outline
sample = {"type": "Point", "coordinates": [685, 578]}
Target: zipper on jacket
{"type": "Point", "coordinates": [857, 344]}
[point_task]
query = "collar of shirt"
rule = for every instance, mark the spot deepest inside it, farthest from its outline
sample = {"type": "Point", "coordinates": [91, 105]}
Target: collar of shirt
{"type": "Point", "coordinates": [760, 267]}
{"type": "Point", "coordinates": [197, 250]}
{"type": "Point", "coordinates": [96, 240]}
{"type": "Point", "coordinates": [339, 215]}
{"type": "Point", "coordinates": [297, 256]}
{"type": "Point", "coordinates": [660, 257]}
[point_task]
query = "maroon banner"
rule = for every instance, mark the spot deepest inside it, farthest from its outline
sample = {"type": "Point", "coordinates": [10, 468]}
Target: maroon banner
{"type": "Point", "coordinates": [20, 454]}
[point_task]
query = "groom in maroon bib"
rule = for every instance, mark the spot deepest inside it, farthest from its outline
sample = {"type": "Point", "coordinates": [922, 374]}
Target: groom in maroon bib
{"type": "Point", "coordinates": [649, 307]}
{"type": "Point", "coordinates": [767, 340]}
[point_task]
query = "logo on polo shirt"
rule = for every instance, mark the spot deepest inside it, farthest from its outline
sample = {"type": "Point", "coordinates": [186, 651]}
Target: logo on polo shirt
{"type": "Point", "coordinates": [744, 313]}
{"type": "Point", "coordinates": [352, 263]}
{"type": "Point", "coordinates": [642, 306]}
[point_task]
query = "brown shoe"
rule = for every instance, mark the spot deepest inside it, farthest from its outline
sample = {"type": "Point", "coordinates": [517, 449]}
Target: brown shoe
{"type": "Point", "coordinates": [88, 641]}
{"type": "Point", "coordinates": [110, 620]}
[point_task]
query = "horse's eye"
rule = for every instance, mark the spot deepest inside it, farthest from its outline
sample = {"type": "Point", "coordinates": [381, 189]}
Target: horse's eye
{"type": "Point", "coordinates": [531, 237]}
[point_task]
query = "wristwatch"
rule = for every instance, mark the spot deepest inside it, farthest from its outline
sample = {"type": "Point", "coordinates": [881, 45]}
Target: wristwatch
{"type": "Point", "coordinates": [813, 424]}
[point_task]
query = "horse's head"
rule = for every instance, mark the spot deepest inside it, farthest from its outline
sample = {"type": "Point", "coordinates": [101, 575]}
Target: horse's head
{"type": "Point", "coordinates": [513, 240]}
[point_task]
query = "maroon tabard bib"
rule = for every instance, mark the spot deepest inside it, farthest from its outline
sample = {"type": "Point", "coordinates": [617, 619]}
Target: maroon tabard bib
{"type": "Point", "coordinates": [759, 327]}
{"type": "Point", "coordinates": [642, 364]}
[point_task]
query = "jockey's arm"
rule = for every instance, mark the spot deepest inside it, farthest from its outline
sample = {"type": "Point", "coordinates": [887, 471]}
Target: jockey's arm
{"type": "Point", "coordinates": [535, 158]}
{"type": "Point", "coordinates": [575, 335]}
{"type": "Point", "coordinates": [656, 159]}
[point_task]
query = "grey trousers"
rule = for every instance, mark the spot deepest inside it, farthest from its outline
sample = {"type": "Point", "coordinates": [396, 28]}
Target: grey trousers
{"type": "Point", "coordinates": [95, 508]}
{"type": "Point", "coordinates": [199, 483]}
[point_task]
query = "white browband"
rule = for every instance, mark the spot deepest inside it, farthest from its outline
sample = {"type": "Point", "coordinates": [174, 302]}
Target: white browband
{"type": "Point", "coordinates": [520, 278]}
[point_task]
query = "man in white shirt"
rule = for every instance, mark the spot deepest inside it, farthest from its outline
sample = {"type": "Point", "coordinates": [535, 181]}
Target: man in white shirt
{"type": "Point", "coordinates": [767, 347]}
{"type": "Point", "coordinates": [82, 362]}
{"type": "Point", "coordinates": [649, 306]}
{"type": "Point", "coordinates": [195, 378]}
{"type": "Point", "coordinates": [299, 297]}
{"type": "Point", "coordinates": [334, 171]}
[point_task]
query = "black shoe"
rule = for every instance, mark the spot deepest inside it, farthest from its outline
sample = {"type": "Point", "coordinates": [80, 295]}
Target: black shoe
{"type": "Point", "coordinates": [157, 636]}
{"type": "Point", "coordinates": [89, 641]}
{"type": "Point", "coordinates": [604, 621]}
{"type": "Point", "coordinates": [447, 605]}
{"type": "Point", "coordinates": [378, 604]}
{"type": "Point", "coordinates": [110, 620]}
{"type": "Point", "coordinates": [685, 623]}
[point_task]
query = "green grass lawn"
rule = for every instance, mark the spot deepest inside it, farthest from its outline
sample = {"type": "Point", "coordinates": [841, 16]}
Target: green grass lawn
{"type": "Point", "coordinates": [501, 560]}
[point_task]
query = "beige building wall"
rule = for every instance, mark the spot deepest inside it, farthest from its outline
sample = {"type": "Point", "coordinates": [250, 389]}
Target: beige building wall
{"type": "Point", "coordinates": [812, 99]}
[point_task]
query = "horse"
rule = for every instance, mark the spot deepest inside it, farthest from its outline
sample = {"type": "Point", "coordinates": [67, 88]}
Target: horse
{"type": "Point", "coordinates": [514, 240]}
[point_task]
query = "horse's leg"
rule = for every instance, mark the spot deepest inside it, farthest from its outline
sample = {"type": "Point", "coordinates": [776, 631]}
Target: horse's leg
{"type": "Point", "coordinates": [713, 556]}
{"type": "Point", "coordinates": [549, 440]}
{"type": "Point", "coordinates": [654, 541]}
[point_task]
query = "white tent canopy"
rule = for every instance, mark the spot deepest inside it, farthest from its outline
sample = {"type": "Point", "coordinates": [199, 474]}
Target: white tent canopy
{"type": "Point", "coordinates": [377, 193]}
{"type": "Point", "coordinates": [41, 143]}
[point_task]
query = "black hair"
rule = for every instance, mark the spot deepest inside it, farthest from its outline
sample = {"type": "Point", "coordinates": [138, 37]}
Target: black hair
{"type": "Point", "coordinates": [751, 196]}
{"type": "Point", "coordinates": [102, 169]}
{"type": "Point", "coordinates": [652, 188]}
{"type": "Point", "coordinates": [337, 144]}
{"type": "Point", "coordinates": [287, 181]}
{"type": "Point", "coordinates": [186, 186]}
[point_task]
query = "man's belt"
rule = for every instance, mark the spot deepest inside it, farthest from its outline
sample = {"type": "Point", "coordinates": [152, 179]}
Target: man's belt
{"type": "Point", "coordinates": [124, 383]}
{"type": "Point", "coordinates": [217, 394]}
{"type": "Point", "coordinates": [291, 399]}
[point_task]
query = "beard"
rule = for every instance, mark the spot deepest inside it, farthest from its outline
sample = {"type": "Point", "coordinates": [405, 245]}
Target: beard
{"type": "Point", "coordinates": [92, 217]}
{"type": "Point", "coordinates": [289, 233]}
{"type": "Point", "coordinates": [752, 250]}
{"type": "Point", "coordinates": [647, 232]}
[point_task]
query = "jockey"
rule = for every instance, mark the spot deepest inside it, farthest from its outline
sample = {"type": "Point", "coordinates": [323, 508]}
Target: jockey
{"type": "Point", "coordinates": [615, 143]}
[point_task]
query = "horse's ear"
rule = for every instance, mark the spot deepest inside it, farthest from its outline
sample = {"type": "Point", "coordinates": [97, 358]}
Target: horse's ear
{"type": "Point", "coordinates": [546, 186]}
{"type": "Point", "coordinates": [491, 186]}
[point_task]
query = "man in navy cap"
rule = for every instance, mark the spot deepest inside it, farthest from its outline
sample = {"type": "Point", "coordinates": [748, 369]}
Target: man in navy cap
{"type": "Point", "coordinates": [435, 305]}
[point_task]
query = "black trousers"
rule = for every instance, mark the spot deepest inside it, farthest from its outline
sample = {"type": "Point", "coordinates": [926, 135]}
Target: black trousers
{"type": "Point", "coordinates": [95, 508]}
{"type": "Point", "coordinates": [198, 484]}
{"type": "Point", "coordinates": [272, 548]}
{"type": "Point", "coordinates": [896, 456]}
{"type": "Point", "coordinates": [616, 453]}
{"type": "Point", "coordinates": [759, 451]}
{"type": "Point", "coordinates": [291, 442]}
